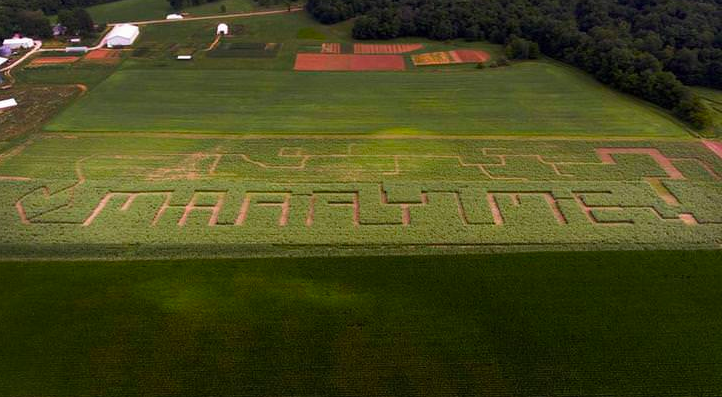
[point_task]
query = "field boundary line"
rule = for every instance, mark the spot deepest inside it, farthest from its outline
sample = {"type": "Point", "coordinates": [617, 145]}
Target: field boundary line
{"type": "Point", "coordinates": [370, 136]}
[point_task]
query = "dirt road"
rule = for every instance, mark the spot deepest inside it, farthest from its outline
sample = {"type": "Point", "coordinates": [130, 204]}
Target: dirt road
{"type": "Point", "coordinates": [224, 16]}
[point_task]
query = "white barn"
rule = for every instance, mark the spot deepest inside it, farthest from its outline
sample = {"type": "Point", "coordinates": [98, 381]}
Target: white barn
{"type": "Point", "coordinates": [222, 29]}
{"type": "Point", "coordinates": [122, 35]}
{"type": "Point", "coordinates": [14, 44]}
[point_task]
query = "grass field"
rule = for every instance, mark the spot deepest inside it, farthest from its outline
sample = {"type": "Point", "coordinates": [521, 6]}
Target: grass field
{"type": "Point", "coordinates": [134, 195]}
{"type": "Point", "coordinates": [557, 324]}
{"type": "Point", "coordinates": [713, 99]}
{"type": "Point", "coordinates": [529, 99]}
{"type": "Point", "coordinates": [142, 10]}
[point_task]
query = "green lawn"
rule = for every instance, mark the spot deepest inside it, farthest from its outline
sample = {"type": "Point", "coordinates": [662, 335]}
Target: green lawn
{"type": "Point", "coordinates": [534, 98]}
{"type": "Point", "coordinates": [556, 324]}
{"type": "Point", "coordinates": [141, 10]}
{"type": "Point", "coordinates": [713, 99]}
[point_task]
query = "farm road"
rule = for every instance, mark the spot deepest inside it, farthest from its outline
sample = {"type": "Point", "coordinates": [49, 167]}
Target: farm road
{"type": "Point", "coordinates": [239, 15]}
{"type": "Point", "coordinates": [35, 49]}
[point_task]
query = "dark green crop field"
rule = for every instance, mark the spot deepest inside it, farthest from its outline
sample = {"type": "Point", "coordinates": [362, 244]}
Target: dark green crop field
{"type": "Point", "coordinates": [583, 324]}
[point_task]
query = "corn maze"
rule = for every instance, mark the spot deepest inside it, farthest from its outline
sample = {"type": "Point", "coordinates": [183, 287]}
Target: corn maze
{"type": "Point", "coordinates": [360, 192]}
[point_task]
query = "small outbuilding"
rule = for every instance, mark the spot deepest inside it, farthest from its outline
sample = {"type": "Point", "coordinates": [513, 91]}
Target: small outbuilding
{"type": "Point", "coordinates": [222, 29]}
{"type": "Point", "coordinates": [122, 35]}
{"type": "Point", "coordinates": [18, 43]}
{"type": "Point", "coordinates": [174, 16]}
{"type": "Point", "coordinates": [3, 61]}
{"type": "Point", "coordinates": [8, 103]}
{"type": "Point", "coordinates": [81, 50]}
{"type": "Point", "coordinates": [59, 30]}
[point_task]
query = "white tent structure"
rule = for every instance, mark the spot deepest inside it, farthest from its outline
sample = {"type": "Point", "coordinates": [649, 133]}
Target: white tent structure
{"type": "Point", "coordinates": [222, 29]}
{"type": "Point", "coordinates": [174, 16]}
{"type": "Point", "coordinates": [122, 35]}
{"type": "Point", "coordinates": [14, 44]}
{"type": "Point", "coordinates": [8, 103]}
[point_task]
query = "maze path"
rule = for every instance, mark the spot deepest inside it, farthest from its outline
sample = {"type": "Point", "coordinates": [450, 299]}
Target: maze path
{"type": "Point", "coordinates": [300, 191]}
{"type": "Point", "coordinates": [554, 204]}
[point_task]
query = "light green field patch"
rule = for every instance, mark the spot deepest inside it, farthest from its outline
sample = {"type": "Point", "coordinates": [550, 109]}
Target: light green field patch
{"type": "Point", "coordinates": [310, 33]}
{"type": "Point", "coordinates": [713, 99]}
{"type": "Point", "coordinates": [526, 99]}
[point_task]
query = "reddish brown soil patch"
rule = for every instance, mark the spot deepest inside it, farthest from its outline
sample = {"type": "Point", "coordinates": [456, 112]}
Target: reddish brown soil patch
{"type": "Point", "coordinates": [349, 62]}
{"type": "Point", "coordinates": [470, 56]}
{"type": "Point", "coordinates": [663, 192]}
{"type": "Point", "coordinates": [606, 155]}
{"type": "Point", "coordinates": [495, 211]}
{"type": "Point", "coordinates": [53, 61]}
{"type": "Point", "coordinates": [385, 48]}
{"type": "Point", "coordinates": [103, 55]}
{"type": "Point", "coordinates": [715, 147]}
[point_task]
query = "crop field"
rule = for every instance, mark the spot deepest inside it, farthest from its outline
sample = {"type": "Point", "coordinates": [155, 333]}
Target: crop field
{"type": "Point", "coordinates": [349, 62]}
{"type": "Point", "coordinates": [450, 57]}
{"type": "Point", "coordinates": [53, 61]}
{"type": "Point", "coordinates": [229, 49]}
{"type": "Point", "coordinates": [535, 98]}
{"type": "Point", "coordinates": [61, 192]}
{"type": "Point", "coordinates": [359, 48]}
{"type": "Point", "coordinates": [37, 104]}
{"type": "Point", "coordinates": [554, 324]}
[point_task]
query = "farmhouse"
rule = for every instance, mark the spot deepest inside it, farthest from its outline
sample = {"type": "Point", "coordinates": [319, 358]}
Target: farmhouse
{"type": "Point", "coordinates": [222, 29]}
{"type": "Point", "coordinates": [122, 35]}
{"type": "Point", "coordinates": [16, 43]}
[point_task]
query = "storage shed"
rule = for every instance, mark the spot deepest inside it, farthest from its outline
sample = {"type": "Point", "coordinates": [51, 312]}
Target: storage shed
{"type": "Point", "coordinates": [222, 29]}
{"type": "Point", "coordinates": [8, 103]}
{"type": "Point", "coordinates": [14, 44]}
{"type": "Point", "coordinates": [122, 35]}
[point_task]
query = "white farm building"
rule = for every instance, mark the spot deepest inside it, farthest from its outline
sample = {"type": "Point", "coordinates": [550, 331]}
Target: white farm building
{"type": "Point", "coordinates": [222, 29]}
{"type": "Point", "coordinates": [15, 44]}
{"type": "Point", "coordinates": [122, 35]}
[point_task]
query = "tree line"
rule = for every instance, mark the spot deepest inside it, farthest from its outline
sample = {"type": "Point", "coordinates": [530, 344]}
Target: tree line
{"type": "Point", "coordinates": [649, 48]}
{"type": "Point", "coordinates": [29, 17]}
{"type": "Point", "coordinates": [179, 4]}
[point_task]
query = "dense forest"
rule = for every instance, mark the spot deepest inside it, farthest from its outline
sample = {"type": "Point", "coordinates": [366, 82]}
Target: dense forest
{"type": "Point", "coordinates": [649, 48]}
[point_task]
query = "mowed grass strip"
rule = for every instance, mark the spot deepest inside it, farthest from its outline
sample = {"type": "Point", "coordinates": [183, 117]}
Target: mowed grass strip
{"type": "Point", "coordinates": [612, 324]}
{"type": "Point", "coordinates": [535, 98]}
